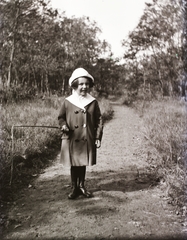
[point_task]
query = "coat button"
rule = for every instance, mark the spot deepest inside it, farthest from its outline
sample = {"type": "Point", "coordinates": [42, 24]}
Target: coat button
{"type": "Point", "coordinates": [76, 126]}
{"type": "Point", "coordinates": [83, 111]}
{"type": "Point", "coordinates": [84, 125]}
{"type": "Point", "coordinates": [76, 111]}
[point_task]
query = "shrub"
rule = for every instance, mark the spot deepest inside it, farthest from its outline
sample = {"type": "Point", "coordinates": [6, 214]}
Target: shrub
{"type": "Point", "coordinates": [106, 109]}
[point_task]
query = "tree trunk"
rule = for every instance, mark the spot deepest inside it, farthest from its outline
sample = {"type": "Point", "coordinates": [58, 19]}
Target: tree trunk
{"type": "Point", "coordinates": [47, 84]}
{"type": "Point", "coordinates": [185, 39]}
{"type": "Point", "coordinates": [13, 48]}
{"type": "Point", "coordinates": [10, 64]}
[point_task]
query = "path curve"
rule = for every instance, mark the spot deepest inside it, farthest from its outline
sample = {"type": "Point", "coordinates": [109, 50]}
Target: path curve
{"type": "Point", "coordinates": [127, 204]}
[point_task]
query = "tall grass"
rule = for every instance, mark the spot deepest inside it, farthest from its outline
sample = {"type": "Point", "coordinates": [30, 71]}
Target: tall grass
{"type": "Point", "coordinates": [165, 130]}
{"type": "Point", "coordinates": [31, 144]}
{"type": "Point", "coordinates": [27, 142]}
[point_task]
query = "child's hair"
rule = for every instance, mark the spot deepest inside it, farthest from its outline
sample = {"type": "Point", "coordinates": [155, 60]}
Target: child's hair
{"type": "Point", "coordinates": [75, 83]}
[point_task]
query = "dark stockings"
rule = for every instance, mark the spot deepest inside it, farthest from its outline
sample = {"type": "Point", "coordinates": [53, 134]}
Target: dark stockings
{"type": "Point", "coordinates": [77, 180]}
{"type": "Point", "coordinates": [82, 174]}
{"type": "Point", "coordinates": [74, 194]}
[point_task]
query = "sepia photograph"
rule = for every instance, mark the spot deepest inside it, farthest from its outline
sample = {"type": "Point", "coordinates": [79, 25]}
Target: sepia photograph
{"type": "Point", "coordinates": [93, 119]}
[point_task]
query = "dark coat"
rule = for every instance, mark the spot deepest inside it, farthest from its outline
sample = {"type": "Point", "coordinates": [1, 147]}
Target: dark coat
{"type": "Point", "coordinates": [85, 127]}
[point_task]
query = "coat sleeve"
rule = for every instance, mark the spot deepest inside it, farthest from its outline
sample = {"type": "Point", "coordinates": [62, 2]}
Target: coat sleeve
{"type": "Point", "coordinates": [99, 122]}
{"type": "Point", "coordinates": [62, 115]}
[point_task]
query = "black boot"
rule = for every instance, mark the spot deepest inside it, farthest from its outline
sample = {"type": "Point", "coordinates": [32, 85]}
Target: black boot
{"type": "Point", "coordinates": [74, 176]}
{"type": "Point", "coordinates": [82, 189]}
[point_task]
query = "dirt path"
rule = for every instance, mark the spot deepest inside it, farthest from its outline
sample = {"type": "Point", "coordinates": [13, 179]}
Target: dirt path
{"type": "Point", "coordinates": [127, 204]}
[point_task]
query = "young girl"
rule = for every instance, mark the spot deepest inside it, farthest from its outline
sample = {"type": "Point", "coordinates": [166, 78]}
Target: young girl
{"type": "Point", "coordinates": [81, 122]}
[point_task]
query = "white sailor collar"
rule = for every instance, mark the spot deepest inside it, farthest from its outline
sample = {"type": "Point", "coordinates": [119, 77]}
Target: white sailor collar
{"type": "Point", "coordinates": [80, 101]}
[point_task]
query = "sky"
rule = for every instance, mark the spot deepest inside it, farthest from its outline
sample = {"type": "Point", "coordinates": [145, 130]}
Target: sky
{"type": "Point", "coordinates": [115, 18]}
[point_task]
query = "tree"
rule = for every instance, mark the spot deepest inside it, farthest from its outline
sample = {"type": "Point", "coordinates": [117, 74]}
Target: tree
{"type": "Point", "coordinates": [82, 45]}
{"type": "Point", "coordinates": [15, 16]}
{"type": "Point", "coordinates": [158, 36]}
{"type": "Point", "coordinates": [40, 47]}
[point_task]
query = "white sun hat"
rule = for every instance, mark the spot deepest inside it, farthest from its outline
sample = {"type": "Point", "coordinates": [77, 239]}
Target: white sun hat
{"type": "Point", "coordinates": [79, 72]}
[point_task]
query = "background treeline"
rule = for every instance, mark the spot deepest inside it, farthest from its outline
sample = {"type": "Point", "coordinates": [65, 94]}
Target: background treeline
{"type": "Point", "coordinates": [40, 47]}
{"type": "Point", "coordinates": [154, 51]}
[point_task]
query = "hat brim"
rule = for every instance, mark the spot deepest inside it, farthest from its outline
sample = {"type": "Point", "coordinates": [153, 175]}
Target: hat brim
{"type": "Point", "coordinates": [80, 73]}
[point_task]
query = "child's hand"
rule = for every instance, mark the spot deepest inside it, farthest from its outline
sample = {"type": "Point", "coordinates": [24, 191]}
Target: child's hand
{"type": "Point", "coordinates": [98, 143]}
{"type": "Point", "coordinates": [65, 129]}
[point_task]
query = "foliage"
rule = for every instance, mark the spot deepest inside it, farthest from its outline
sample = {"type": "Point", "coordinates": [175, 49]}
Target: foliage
{"type": "Point", "coordinates": [106, 110]}
{"type": "Point", "coordinates": [165, 130]}
{"type": "Point", "coordinates": [107, 73]}
{"type": "Point", "coordinates": [41, 47]}
{"type": "Point", "coordinates": [153, 50]}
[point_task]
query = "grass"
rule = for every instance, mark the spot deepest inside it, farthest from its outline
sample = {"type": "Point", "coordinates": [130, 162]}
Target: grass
{"type": "Point", "coordinates": [31, 146]}
{"type": "Point", "coordinates": [165, 131]}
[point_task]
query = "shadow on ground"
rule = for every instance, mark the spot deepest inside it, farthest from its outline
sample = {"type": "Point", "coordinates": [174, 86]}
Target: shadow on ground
{"type": "Point", "coordinates": [44, 207]}
{"type": "Point", "coordinates": [127, 180]}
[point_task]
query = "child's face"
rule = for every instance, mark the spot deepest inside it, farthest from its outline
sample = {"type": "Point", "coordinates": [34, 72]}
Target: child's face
{"type": "Point", "coordinates": [83, 86]}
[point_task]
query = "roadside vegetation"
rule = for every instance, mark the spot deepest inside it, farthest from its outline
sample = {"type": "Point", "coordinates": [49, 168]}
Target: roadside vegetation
{"type": "Point", "coordinates": [166, 140]}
